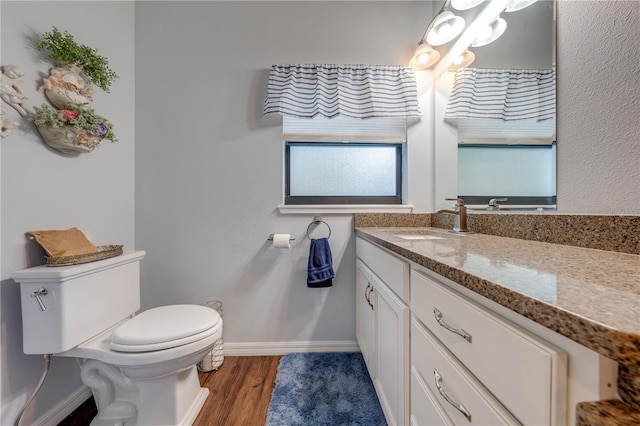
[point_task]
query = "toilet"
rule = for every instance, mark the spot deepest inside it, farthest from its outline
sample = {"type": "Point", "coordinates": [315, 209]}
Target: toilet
{"type": "Point", "coordinates": [141, 368]}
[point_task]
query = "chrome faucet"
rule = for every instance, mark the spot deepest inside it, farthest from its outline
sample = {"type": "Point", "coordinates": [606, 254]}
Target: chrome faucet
{"type": "Point", "coordinates": [460, 223]}
{"type": "Point", "coordinates": [494, 203]}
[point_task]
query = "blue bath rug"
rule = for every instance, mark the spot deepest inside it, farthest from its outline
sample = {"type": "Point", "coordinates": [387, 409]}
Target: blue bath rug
{"type": "Point", "coordinates": [324, 389]}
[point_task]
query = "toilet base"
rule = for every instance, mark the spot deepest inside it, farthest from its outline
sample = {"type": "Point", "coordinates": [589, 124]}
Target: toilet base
{"type": "Point", "coordinates": [196, 406]}
{"type": "Point", "coordinates": [173, 399]}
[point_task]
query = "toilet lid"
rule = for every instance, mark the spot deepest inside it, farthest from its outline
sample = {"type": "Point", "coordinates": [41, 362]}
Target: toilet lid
{"type": "Point", "coordinates": [164, 327]}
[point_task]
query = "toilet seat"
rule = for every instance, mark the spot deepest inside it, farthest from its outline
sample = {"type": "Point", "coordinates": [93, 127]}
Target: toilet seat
{"type": "Point", "coordinates": [164, 327]}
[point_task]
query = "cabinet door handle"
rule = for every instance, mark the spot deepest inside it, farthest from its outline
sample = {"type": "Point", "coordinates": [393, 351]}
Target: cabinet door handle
{"type": "Point", "coordinates": [458, 406]}
{"type": "Point", "coordinates": [367, 293]}
{"type": "Point", "coordinates": [466, 336]}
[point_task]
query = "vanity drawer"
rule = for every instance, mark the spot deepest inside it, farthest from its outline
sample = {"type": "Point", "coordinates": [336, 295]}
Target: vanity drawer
{"type": "Point", "coordinates": [391, 269]}
{"type": "Point", "coordinates": [462, 397]}
{"type": "Point", "coordinates": [425, 409]}
{"type": "Point", "coordinates": [526, 374]}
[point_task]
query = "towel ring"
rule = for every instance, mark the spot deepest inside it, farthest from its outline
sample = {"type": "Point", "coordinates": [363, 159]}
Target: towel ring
{"type": "Point", "coordinates": [317, 221]}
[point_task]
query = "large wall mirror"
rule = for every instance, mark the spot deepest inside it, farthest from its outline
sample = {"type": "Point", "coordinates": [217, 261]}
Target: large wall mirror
{"type": "Point", "coordinates": [514, 159]}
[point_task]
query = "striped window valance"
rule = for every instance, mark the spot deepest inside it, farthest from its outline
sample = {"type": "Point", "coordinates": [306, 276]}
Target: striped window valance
{"type": "Point", "coordinates": [502, 94]}
{"type": "Point", "coordinates": [357, 91]}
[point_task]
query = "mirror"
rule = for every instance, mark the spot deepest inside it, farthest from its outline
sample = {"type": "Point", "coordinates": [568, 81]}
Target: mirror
{"type": "Point", "coordinates": [481, 160]}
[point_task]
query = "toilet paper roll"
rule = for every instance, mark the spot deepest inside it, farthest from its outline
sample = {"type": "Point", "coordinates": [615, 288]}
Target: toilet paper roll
{"type": "Point", "coordinates": [281, 240]}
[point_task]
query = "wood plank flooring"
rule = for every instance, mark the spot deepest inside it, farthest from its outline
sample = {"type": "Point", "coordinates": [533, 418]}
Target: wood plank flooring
{"type": "Point", "coordinates": [240, 391]}
{"type": "Point", "coordinates": [240, 394]}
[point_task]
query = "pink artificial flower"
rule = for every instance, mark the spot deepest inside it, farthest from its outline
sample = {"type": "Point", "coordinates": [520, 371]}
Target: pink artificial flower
{"type": "Point", "coordinates": [68, 114]}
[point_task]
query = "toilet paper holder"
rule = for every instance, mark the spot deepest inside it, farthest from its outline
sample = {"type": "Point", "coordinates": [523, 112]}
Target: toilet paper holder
{"type": "Point", "coordinates": [270, 238]}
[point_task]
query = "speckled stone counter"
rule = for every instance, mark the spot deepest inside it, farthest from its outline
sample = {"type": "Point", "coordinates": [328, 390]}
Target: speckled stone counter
{"type": "Point", "coordinates": [619, 233]}
{"type": "Point", "coordinates": [587, 295]}
{"type": "Point", "coordinates": [605, 413]}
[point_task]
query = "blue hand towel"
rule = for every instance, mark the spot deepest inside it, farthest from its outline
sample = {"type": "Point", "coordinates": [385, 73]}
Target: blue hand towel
{"type": "Point", "coordinates": [320, 269]}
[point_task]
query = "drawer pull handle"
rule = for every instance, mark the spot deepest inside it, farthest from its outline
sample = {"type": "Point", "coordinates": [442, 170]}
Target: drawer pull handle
{"type": "Point", "coordinates": [466, 336]}
{"type": "Point", "coordinates": [457, 406]}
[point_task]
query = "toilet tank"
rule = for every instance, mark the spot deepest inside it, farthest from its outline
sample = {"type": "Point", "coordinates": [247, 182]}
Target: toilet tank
{"type": "Point", "coordinates": [80, 301]}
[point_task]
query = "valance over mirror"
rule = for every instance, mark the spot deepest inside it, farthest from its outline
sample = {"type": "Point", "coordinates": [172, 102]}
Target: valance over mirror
{"type": "Point", "coordinates": [502, 94]}
{"type": "Point", "coordinates": [356, 91]}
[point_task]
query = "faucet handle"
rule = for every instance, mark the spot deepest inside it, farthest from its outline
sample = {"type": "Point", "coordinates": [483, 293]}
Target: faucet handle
{"type": "Point", "coordinates": [496, 201]}
{"type": "Point", "coordinates": [460, 201]}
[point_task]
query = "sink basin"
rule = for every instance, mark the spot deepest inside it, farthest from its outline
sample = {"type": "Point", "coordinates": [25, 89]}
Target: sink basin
{"type": "Point", "coordinates": [420, 237]}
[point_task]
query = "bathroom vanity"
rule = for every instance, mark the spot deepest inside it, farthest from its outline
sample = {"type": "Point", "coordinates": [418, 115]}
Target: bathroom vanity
{"type": "Point", "coordinates": [482, 329]}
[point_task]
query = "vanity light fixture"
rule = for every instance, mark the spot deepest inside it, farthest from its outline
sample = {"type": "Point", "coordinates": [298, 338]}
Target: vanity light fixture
{"type": "Point", "coordinates": [464, 60]}
{"type": "Point", "coordinates": [490, 33]}
{"type": "Point", "coordinates": [515, 5]}
{"type": "Point", "coordinates": [444, 28]}
{"type": "Point", "coordinates": [465, 4]}
{"type": "Point", "coordinates": [424, 57]}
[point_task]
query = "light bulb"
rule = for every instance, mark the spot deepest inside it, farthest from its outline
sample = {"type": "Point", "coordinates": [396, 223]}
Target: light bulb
{"type": "Point", "coordinates": [423, 58]}
{"type": "Point", "coordinates": [462, 61]}
{"type": "Point", "coordinates": [445, 29]}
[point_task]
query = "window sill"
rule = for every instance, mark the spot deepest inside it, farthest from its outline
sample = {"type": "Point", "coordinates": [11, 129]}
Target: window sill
{"type": "Point", "coordinates": [344, 208]}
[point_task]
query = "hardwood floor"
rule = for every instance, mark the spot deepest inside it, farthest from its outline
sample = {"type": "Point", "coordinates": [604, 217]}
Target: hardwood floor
{"type": "Point", "coordinates": [240, 394]}
{"type": "Point", "coordinates": [240, 391]}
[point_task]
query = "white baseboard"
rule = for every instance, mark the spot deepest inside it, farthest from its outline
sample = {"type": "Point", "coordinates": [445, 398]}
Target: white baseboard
{"type": "Point", "coordinates": [65, 407]}
{"type": "Point", "coordinates": [281, 348]}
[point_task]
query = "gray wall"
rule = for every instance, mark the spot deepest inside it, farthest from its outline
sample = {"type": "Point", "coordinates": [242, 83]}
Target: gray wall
{"type": "Point", "coordinates": [42, 189]}
{"type": "Point", "coordinates": [208, 165]}
{"type": "Point", "coordinates": [598, 107]}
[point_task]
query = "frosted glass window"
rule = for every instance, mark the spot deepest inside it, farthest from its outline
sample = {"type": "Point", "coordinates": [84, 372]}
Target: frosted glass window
{"type": "Point", "coordinates": [343, 173]}
{"type": "Point", "coordinates": [518, 171]}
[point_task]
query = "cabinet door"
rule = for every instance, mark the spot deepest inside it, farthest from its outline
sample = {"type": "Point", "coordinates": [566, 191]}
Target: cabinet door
{"type": "Point", "coordinates": [364, 316]}
{"type": "Point", "coordinates": [393, 271]}
{"type": "Point", "coordinates": [392, 353]}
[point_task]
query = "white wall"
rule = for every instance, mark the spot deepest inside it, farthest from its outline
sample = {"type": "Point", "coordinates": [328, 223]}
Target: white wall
{"type": "Point", "coordinates": [42, 189]}
{"type": "Point", "coordinates": [209, 165]}
{"type": "Point", "coordinates": [598, 107]}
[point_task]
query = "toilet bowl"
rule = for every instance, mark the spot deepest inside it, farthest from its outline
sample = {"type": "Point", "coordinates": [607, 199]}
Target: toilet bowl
{"type": "Point", "coordinates": [140, 368]}
{"type": "Point", "coordinates": [143, 370]}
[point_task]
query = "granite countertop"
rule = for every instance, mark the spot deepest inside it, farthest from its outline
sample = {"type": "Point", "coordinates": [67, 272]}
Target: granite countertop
{"type": "Point", "coordinates": [590, 296]}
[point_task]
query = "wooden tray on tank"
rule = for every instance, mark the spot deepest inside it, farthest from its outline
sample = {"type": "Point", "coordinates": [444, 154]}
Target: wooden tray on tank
{"type": "Point", "coordinates": [104, 252]}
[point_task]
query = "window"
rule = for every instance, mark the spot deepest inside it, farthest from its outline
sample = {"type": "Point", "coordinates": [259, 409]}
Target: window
{"type": "Point", "coordinates": [525, 174]}
{"type": "Point", "coordinates": [343, 173]}
{"type": "Point", "coordinates": [344, 126]}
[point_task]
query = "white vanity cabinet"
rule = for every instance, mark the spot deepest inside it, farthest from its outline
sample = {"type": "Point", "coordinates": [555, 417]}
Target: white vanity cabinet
{"type": "Point", "coordinates": [442, 346]}
{"type": "Point", "coordinates": [382, 326]}
{"type": "Point", "coordinates": [526, 374]}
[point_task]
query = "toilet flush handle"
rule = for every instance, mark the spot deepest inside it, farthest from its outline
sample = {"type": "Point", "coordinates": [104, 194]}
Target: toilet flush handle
{"type": "Point", "coordinates": [40, 292]}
